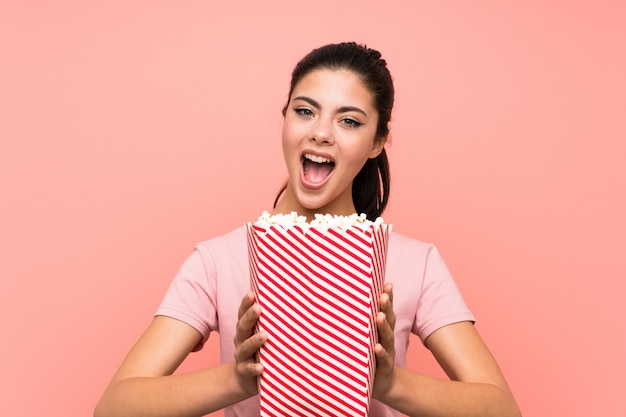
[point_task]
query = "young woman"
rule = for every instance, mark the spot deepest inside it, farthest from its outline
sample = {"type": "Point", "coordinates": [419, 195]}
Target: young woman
{"type": "Point", "coordinates": [335, 128]}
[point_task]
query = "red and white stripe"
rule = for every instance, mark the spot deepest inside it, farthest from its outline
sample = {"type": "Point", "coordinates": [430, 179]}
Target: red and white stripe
{"type": "Point", "coordinates": [319, 290]}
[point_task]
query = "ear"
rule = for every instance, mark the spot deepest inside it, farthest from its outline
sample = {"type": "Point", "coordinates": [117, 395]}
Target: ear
{"type": "Point", "coordinates": [379, 145]}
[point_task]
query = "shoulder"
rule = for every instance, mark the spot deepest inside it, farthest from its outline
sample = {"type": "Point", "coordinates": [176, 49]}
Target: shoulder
{"type": "Point", "coordinates": [407, 256]}
{"type": "Point", "coordinates": [404, 246]}
{"type": "Point", "coordinates": [223, 249]}
{"type": "Point", "coordinates": [230, 236]}
{"type": "Point", "coordinates": [404, 240]}
{"type": "Point", "coordinates": [233, 238]}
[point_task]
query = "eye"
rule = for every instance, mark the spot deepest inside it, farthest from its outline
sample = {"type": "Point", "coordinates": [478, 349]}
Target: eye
{"type": "Point", "coordinates": [303, 111]}
{"type": "Point", "coordinates": [351, 122]}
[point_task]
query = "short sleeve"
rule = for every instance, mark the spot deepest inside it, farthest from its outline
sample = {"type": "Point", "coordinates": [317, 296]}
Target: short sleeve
{"type": "Point", "coordinates": [440, 302]}
{"type": "Point", "coordinates": [191, 297]}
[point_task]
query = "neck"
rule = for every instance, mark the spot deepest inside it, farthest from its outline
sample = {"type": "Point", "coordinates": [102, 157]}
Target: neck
{"type": "Point", "coordinates": [290, 203]}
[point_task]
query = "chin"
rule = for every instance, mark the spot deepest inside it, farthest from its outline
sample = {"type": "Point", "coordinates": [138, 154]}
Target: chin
{"type": "Point", "coordinates": [312, 205]}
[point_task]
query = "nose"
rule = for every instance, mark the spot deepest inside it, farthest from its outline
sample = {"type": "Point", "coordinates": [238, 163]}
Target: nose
{"type": "Point", "coordinates": [322, 132]}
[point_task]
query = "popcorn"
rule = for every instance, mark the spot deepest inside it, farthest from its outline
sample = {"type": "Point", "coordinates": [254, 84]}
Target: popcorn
{"type": "Point", "coordinates": [319, 285]}
{"type": "Point", "coordinates": [320, 221]}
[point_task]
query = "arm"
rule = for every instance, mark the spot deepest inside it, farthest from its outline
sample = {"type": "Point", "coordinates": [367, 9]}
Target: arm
{"type": "Point", "coordinates": [476, 386]}
{"type": "Point", "coordinates": [144, 384]}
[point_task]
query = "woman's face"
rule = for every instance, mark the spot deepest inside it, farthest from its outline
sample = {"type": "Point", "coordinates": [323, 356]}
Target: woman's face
{"type": "Point", "coordinates": [329, 132]}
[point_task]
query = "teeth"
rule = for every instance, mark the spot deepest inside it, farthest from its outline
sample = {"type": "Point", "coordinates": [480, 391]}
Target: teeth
{"type": "Point", "coordinates": [316, 158]}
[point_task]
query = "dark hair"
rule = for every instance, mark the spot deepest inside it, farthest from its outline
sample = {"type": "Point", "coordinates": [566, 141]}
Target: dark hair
{"type": "Point", "coordinates": [370, 188]}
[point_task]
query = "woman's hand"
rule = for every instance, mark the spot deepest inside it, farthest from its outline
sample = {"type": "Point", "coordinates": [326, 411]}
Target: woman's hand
{"type": "Point", "coordinates": [385, 348]}
{"type": "Point", "coordinates": [247, 344]}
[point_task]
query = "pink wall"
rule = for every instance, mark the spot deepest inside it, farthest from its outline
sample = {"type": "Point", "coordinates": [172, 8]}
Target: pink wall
{"type": "Point", "coordinates": [131, 130]}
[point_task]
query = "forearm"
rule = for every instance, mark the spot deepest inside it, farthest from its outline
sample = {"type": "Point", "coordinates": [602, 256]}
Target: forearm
{"type": "Point", "coordinates": [420, 395]}
{"type": "Point", "coordinates": [193, 394]}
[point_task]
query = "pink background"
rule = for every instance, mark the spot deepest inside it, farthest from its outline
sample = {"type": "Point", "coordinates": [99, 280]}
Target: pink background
{"type": "Point", "coordinates": [132, 130]}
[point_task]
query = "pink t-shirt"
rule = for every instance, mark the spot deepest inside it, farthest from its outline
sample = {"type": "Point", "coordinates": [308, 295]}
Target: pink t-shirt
{"type": "Point", "coordinates": [211, 283]}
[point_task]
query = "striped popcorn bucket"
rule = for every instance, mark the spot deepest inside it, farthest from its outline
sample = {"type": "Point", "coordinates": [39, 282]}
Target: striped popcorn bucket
{"type": "Point", "coordinates": [319, 289]}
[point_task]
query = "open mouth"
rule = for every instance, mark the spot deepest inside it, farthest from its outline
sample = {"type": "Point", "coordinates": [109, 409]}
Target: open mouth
{"type": "Point", "coordinates": [316, 168]}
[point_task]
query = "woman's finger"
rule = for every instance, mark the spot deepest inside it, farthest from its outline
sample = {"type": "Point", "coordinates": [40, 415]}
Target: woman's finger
{"type": "Point", "coordinates": [246, 303]}
{"type": "Point", "coordinates": [246, 350]}
{"type": "Point", "coordinates": [249, 369]}
{"type": "Point", "coordinates": [246, 323]}
{"type": "Point", "coordinates": [384, 360]}
{"type": "Point", "coordinates": [385, 331]}
{"type": "Point", "coordinates": [386, 305]}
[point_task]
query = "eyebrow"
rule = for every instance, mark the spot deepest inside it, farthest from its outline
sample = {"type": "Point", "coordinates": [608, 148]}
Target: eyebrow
{"type": "Point", "coordinates": [343, 109]}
